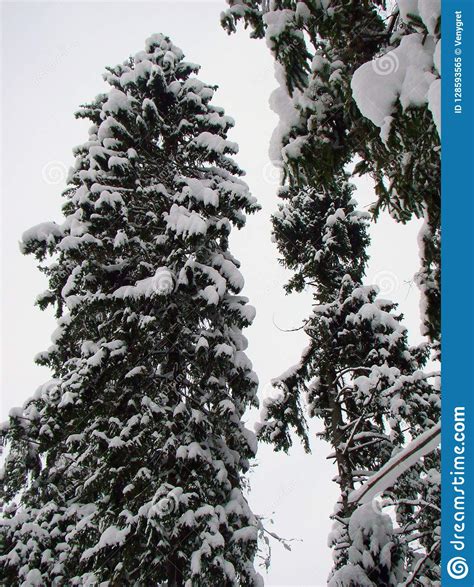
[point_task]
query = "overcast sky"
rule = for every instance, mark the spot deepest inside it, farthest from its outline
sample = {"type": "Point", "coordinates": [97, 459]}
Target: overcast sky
{"type": "Point", "coordinates": [53, 55]}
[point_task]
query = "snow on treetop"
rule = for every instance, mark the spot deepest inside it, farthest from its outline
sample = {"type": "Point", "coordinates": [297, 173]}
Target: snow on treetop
{"type": "Point", "coordinates": [159, 41]}
{"type": "Point", "coordinates": [151, 200]}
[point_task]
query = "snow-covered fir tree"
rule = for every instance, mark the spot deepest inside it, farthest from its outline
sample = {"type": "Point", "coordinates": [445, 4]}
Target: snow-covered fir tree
{"type": "Point", "coordinates": [358, 83]}
{"type": "Point", "coordinates": [373, 559]}
{"type": "Point", "coordinates": [361, 79]}
{"type": "Point", "coordinates": [358, 375]}
{"type": "Point", "coordinates": [128, 466]}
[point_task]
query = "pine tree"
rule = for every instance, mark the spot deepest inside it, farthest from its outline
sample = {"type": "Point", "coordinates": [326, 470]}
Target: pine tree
{"type": "Point", "coordinates": [320, 48]}
{"type": "Point", "coordinates": [128, 466]}
{"type": "Point", "coordinates": [373, 559]}
{"type": "Point", "coordinates": [361, 378]}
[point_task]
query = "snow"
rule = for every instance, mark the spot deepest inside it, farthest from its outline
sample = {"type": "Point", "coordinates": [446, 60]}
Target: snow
{"type": "Point", "coordinates": [241, 361]}
{"type": "Point", "coordinates": [169, 60]}
{"type": "Point", "coordinates": [405, 459]}
{"type": "Point", "coordinates": [434, 103]}
{"type": "Point", "coordinates": [294, 148]}
{"type": "Point", "coordinates": [33, 579]}
{"type": "Point", "coordinates": [285, 108]}
{"type": "Point", "coordinates": [105, 130]}
{"type": "Point", "coordinates": [212, 142]}
{"type": "Point", "coordinates": [251, 439]}
{"type": "Point", "coordinates": [302, 11]}
{"type": "Point", "coordinates": [318, 63]}
{"type": "Point", "coordinates": [248, 312]}
{"type": "Point", "coordinates": [371, 541]}
{"type": "Point", "coordinates": [112, 536]}
{"type": "Point", "coordinates": [403, 74]}
{"type": "Point", "coordinates": [229, 271]}
{"type": "Point", "coordinates": [196, 562]}
{"type": "Point", "coordinates": [350, 575]}
{"type": "Point", "coordinates": [425, 235]}
{"type": "Point", "coordinates": [115, 161]}
{"type": "Point", "coordinates": [378, 317]}
{"type": "Point", "coordinates": [339, 214]}
{"type": "Point", "coordinates": [116, 101]}
{"type": "Point", "coordinates": [96, 359]}
{"type": "Point", "coordinates": [202, 343]}
{"type": "Point", "coordinates": [120, 239]}
{"type": "Point", "coordinates": [219, 282]}
{"type": "Point", "coordinates": [247, 534]}
{"type": "Point", "coordinates": [135, 371]}
{"type": "Point", "coordinates": [209, 293]}
{"type": "Point", "coordinates": [277, 22]}
{"type": "Point", "coordinates": [69, 243]}
{"type": "Point", "coordinates": [407, 7]}
{"type": "Point", "coordinates": [185, 222]}
{"type": "Point", "coordinates": [159, 284]}
{"type": "Point", "coordinates": [223, 349]}
{"type": "Point", "coordinates": [198, 189]}
{"type": "Point", "coordinates": [415, 87]}
{"type": "Point", "coordinates": [437, 56]}
{"type": "Point", "coordinates": [66, 399]}
{"type": "Point", "coordinates": [385, 129]}
{"type": "Point", "coordinates": [429, 11]}
{"type": "Point", "coordinates": [44, 232]}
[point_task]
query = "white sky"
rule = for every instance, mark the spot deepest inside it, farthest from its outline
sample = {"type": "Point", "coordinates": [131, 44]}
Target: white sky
{"type": "Point", "coordinates": [53, 55]}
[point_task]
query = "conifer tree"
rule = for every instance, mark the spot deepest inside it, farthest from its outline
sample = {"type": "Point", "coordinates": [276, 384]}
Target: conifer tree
{"type": "Point", "coordinates": [390, 122]}
{"type": "Point", "coordinates": [128, 466]}
{"type": "Point", "coordinates": [373, 559]}
{"type": "Point", "coordinates": [358, 373]}
{"type": "Point", "coordinates": [327, 121]}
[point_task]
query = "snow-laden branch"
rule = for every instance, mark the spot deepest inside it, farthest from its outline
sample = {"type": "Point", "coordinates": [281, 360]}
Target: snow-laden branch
{"type": "Point", "coordinates": [397, 465]}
